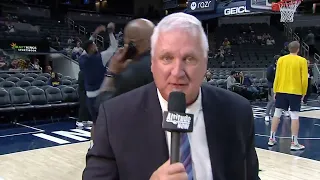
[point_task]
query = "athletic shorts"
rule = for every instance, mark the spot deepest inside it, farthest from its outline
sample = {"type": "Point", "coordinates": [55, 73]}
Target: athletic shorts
{"type": "Point", "coordinates": [92, 108]}
{"type": "Point", "coordinates": [284, 101]}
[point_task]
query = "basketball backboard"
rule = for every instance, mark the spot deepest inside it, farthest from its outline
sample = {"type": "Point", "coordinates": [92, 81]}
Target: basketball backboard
{"type": "Point", "coordinates": [260, 5]}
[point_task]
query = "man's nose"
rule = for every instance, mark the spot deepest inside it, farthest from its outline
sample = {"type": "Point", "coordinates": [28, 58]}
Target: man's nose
{"type": "Point", "coordinates": [179, 69]}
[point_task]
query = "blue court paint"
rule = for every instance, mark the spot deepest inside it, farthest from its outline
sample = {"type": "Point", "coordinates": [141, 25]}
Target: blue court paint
{"type": "Point", "coordinates": [53, 134]}
{"type": "Point", "coordinates": [23, 138]}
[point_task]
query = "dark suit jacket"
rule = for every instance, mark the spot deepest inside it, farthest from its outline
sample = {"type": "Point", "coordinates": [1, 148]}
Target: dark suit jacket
{"type": "Point", "coordinates": [130, 143]}
{"type": "Point", "coordinates": [137, 74]}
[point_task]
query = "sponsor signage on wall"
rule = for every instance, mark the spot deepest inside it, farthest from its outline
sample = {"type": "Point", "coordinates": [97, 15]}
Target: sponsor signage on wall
{"type": "Point", "coordinates": [235, 10]}
{"type": "Point", "coordinates": [201, 6]}
{"type": "Point", "coordinates": [20, 48]}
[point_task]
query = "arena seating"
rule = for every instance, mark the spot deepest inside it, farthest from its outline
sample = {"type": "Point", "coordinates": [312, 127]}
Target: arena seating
{"type": "Point", "coordinates": [219, 79]}
{"type": "Point", "coordinates": [21, 35]}
{"type": "Point", "coordinates": [250, 53]}
{"type": "Point", "coordinates": [54, 29]}
{"type": "Point", "coordinates": [302, 32]}
{"type": "Point", "coordinates": [91, 26]}
{"type": "Point", "coordinates": [29, 95]}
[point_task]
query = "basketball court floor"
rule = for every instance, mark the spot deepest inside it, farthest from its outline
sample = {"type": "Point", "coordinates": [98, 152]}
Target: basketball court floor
{"type": "Point", "coordinates": [57, 150]}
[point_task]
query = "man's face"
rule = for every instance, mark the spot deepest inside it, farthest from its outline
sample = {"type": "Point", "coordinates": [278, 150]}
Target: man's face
{"type": "Point", "coordinates": [178, 64]}
{"type": "Point", "coordinates": [93, 48]}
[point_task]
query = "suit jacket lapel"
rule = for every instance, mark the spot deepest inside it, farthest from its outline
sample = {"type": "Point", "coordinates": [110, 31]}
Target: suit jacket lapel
{"type": "Point", "coordinates": [153, 128]}
{"type": "Point", "coordinates": [213, 132]}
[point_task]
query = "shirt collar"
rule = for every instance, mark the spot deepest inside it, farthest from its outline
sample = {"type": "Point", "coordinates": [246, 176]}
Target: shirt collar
{"type": "Point", "coordinates": [194, 108]}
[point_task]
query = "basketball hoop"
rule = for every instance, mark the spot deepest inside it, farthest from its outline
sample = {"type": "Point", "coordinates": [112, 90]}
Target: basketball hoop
{"type": "Point", "coordinates": [287, 9]}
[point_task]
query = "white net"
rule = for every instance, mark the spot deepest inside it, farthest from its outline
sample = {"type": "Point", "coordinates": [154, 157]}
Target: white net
{"type": "Point", "coordinates": [287, 10]}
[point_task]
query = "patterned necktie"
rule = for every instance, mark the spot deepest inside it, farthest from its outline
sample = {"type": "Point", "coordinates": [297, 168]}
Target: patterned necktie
{"type": "Point", "coordinates": [186, 155]}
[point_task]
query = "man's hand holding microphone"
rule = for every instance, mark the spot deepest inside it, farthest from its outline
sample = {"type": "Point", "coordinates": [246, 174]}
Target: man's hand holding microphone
{"type": "Point", "coordinates": [168, 171]}
{"type": "Point", "coordinates": [176, 121]}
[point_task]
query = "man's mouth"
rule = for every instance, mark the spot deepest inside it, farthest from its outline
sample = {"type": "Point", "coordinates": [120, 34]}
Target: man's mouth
{"type": "Point", "coordinates": [178, 85]}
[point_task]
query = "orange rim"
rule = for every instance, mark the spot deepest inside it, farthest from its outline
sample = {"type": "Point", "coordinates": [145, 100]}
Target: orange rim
{"type": "Point", "coordinates": [276, 6]}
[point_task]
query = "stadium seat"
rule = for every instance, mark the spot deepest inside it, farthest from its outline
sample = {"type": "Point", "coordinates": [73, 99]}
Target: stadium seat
{"type": "Point", "coordinates": [45, 87]}
{"type": "Point", "coordinates": [33, 75]}
{"type": "Point", "coordinates": [1, 80]}
{"type": "Point", "coordinates": [18, 75]}
{"type": "Point", "coordinates": [66, 82]}
{"type": "Point", "coordinates": [75, 86]}
{"type": "Point", "coordinates": [69, 95]}
{"type": "Point", "coordinates": [7, 85]}
{"type": "Point", "coordinates": [213, 82]}
{"type": "Point", "coordinates": [47, 75]}
{"type": "Point", "coordinates": [13, 79]}
{"type": "Point", "coordinates": [27, 78]}
{"type": "Point", "coordinates": [30, 87]}
{"type": "Point", "coordinates": [20, 99]}
{"type": "Point", "coordinates": [62, 86]}
{"type": "Point", "coordinates": [59, 75]}
{"type": "Point", "coordinates": [38, 83]}
{"type": "Point", "coordinates": [220, 83]}
{"type": "Point", "coordinates": [42, 78]}
{"type": "Point", "coordinates": [23, 84]}
{"type": "Point", "coordinates": [67, 78]}
{"type": "Point", "coordinates": [38, 98]}
{"type": "Point", "coordinates": [264, 82]}
{"type": "Point", "coordinates": [4, 75]}
{"type": "Point", "coordinates": [74, 81]}
{"type": "Point", "coordinates": [5, 102]}
{"type": "Point", "coordinates": [54, 97]}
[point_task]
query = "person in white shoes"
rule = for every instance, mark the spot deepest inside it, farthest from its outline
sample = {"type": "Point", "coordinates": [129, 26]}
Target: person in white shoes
{"type": "Point", "coordinates": [271, 72]}
{"type": "Point", "coordinates": [290, 85]}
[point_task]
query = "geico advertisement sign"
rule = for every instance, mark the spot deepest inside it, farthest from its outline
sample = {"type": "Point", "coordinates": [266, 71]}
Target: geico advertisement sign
{"type": "Point", "coordinates": [200, 5]}
{"type": "Point", "coordinates": [235, 10]}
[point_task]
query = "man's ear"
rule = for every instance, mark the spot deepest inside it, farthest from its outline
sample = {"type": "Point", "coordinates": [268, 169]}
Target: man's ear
{"type": "Point", "coordinates": [152, 65]}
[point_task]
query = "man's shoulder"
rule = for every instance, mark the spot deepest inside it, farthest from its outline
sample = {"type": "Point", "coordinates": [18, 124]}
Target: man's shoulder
{"type": "Point", "coordinates": [225, 97]}
{"type": "Point", "coordinates": [131, 99]}
{"type": "Point", "coordinates": [82, 59]}
{"type": "Point", "coordinates": [302, 59]}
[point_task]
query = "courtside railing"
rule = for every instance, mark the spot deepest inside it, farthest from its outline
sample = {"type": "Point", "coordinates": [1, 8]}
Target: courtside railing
{"type": "Point", "coordinates": [304, 48]}
{"type": "Point", "coordinates": [258, 72]}
{"type": "Point", "coordinates": [82, 31]}
{"type": "Point", "coordinates": [315, 69]}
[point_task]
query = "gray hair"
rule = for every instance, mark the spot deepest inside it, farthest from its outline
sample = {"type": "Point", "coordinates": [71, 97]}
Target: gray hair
{"type": "Point", "coordinates": [180, 21]}
{"type": "Point", "coordinates": [294, 46]}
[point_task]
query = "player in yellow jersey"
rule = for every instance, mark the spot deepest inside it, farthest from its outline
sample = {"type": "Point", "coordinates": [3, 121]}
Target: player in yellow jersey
{"type": "Point", "coordinates": [290, 85]}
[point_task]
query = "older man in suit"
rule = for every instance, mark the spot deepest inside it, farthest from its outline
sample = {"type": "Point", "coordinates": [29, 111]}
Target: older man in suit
{"type": "Point", "coordinates": [130, 143]}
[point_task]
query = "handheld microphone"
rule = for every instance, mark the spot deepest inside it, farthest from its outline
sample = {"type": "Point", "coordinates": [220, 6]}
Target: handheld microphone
{"type": "Point", "coordinates": [176, 121]}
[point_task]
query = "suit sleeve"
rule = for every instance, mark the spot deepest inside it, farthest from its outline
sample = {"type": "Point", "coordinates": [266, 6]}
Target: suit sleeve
{"type": "Point", "coordinates": [100, 160]}
{"type": "Point", "coordinates": [304, 77]}
{"type": "Point", "coordinates": [252, 163]}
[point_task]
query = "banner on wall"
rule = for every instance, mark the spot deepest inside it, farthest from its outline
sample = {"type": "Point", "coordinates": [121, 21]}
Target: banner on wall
{"type": "Point", "coordinates": [25, 46]}
{"type": "Point", "coordinates": [235, 7]}
{"type": "Point", "coordinates": [201, 5]}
